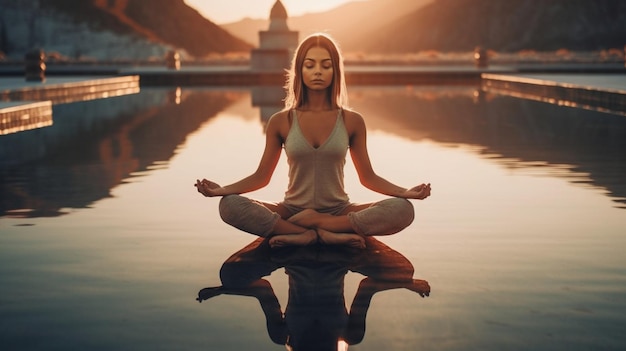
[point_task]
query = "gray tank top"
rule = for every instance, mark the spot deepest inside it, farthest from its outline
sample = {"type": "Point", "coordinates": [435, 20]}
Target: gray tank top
{"type": "Point", "coordinates": [316, 174]}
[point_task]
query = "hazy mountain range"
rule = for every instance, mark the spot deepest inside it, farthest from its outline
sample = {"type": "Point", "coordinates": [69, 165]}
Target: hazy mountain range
{"type": "Point", "coordinates": [349, 23]}
{"type": "Point", "coordinates": [108, 29]}
{"type": "Point", "coordinates": [404, 26]}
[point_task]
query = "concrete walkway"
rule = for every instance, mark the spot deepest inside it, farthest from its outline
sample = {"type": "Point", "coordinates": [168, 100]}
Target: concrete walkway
{"type": "Point", "coordinates": [27, 105]}
{"type": "Point", "coordinates": [19, 98]}
{"type": "Point", "coordinates": [603, 82]}
{"type": "Point", "coordinates": [602, 92]}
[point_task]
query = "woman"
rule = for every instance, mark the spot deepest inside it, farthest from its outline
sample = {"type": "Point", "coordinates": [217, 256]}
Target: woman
{"type": "Point", "coordinates": [316, 131]}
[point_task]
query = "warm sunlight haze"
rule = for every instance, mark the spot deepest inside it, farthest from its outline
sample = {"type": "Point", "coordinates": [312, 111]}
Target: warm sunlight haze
{"type": "Point", "coordinates": [221, 12]}
{"type": "Point", "coordinates": [339, 175]}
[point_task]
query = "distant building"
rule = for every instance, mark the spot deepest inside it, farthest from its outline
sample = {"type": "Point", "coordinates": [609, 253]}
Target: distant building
{"type": "Point", "coordinates": [276, 45]}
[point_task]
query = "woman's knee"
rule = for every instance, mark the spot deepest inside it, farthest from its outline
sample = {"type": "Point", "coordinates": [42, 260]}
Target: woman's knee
{"type": "Point", "coordinates": [385, 217]}
{"type": "Point", "coordinates": [230, 207]}
{"type": "Point", "coordinates": [242, 274]}
{"type": "Point", "coordinates": [247, 215]}
{"type": "Point", "coordinates": [400, 213]}
{"type": "Point", "coordinates": [404, 210]}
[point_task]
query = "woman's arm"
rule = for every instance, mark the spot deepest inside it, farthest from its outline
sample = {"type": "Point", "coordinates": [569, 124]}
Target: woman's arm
{"type": "Point", "coordinates": [360, 157]}
{"type": "Point", "coordinates": [261, 177]}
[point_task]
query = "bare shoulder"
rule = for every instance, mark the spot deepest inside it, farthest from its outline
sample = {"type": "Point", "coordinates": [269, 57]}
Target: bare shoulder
{"type": "Point", "coordinates": [279, 123]}
{"type": "Point", "coordinates": [353, 121]}
{"type": "Point", "coordinates": [279, 117]}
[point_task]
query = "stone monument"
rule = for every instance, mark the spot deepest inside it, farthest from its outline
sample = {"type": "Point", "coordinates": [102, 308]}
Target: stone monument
{"type": "Point", "coordinates": [276, 45]}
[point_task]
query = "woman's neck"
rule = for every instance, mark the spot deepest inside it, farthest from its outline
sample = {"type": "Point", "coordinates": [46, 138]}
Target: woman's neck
{"type": "Point", "coordinates": [317, 101]}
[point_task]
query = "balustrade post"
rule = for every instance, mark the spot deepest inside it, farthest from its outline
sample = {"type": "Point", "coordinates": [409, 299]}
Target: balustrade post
{"type": "Point", "coordinates": [35, 66]}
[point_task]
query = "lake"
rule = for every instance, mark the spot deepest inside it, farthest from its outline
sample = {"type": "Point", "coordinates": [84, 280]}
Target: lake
{"type": "Point", "coordinates": [105, 243]}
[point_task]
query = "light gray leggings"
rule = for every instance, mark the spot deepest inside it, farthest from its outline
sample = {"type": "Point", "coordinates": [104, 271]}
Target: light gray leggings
{"type": "Point", "coordinates": [384, 217]}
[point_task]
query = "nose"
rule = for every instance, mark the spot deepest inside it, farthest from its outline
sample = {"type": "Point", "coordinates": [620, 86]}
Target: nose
{"type": "Point", "coordinates": [318, 69]}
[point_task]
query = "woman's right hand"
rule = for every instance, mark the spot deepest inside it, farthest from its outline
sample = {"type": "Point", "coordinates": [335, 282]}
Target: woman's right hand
{"type": "Point", "coordinates": [207, 187]}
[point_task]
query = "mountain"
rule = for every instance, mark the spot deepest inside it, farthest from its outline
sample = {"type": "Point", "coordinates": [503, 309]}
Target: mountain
{"type": "Point", "coordinates": [404, 26]}
{"type": "Point", "coordinates": [511, 25]}
{"type": "Point", "coordinates": [147, 29]}
{"type": "Point", "coordinates": [108, 29]}
{"type": "Point", "coordinates": [344, 23]}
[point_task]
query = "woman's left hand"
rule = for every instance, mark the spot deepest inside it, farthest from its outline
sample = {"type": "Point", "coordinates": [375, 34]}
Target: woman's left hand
{"type": "Point", "coordinates": [419, 192]}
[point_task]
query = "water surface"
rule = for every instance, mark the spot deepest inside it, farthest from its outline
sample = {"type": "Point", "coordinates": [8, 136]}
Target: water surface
{"type": "Point", "coordinates": [104, 243]}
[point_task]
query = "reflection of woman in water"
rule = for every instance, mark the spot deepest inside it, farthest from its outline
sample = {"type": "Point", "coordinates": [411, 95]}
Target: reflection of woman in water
{"type": "Point", "coordinates": [316, 130]}
{"type": "Point", "coordinates": [315, 317]}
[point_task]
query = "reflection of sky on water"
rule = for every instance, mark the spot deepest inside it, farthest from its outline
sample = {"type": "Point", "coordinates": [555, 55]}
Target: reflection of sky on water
{"type": "Point", "coordinates": [121, 135]}
{"type": "Point", "coordinates": [521, 241]}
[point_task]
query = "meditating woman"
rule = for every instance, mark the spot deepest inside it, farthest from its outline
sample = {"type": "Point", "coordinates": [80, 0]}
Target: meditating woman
{"type": "Point", "coordinates": [316, 129]}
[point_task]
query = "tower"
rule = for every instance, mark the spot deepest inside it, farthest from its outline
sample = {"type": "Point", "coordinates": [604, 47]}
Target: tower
{"type": "Point", "coordinates": [276, 45]}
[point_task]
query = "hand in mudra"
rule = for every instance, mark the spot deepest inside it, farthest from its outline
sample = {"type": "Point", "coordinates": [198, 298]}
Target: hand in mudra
{"type": "Point", "coordinates": [206, 187]}
{"type": "Point", "coordinates": [419, 192]}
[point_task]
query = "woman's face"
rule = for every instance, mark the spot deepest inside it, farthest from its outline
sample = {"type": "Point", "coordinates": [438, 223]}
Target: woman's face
{"type": "Point", "coordinates": [317, 69]}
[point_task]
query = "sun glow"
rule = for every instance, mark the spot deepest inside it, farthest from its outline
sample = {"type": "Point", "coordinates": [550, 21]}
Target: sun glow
{"type": "Point", "coordinates": [222, 12]}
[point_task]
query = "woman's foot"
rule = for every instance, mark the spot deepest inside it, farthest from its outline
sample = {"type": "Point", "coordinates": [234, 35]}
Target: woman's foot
{"type": "Point", "coordinates": [302, 239]}
{"type": "Point", "coordinates": [345, 239]}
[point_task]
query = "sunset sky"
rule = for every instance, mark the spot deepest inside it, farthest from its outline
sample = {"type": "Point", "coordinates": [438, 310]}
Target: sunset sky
{"type": "Point", "coordinates": [220, 11]}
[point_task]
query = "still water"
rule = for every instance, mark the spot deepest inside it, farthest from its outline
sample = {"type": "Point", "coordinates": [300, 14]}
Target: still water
{"type": "Point", "coordinates": [104, 242]}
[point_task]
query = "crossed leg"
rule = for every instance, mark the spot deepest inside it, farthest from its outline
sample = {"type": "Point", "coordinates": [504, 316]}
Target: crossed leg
{"type": "Point", "coordinates": [286, 233]}
{"type": "Point", "coordinates": [276, 222]}
{"type": "Point", "coordinates": [301, 229]}
{"type": "Point", "coordinates": [266, 220]}
{"type": "Point", "coordinates": [385, 217]}
{"type": "Point", "coordinates": [289, 234]}
{"type": "Point", "coordinates": [331, 229]}
{"type": "Point", "coordinates": [310, 226]}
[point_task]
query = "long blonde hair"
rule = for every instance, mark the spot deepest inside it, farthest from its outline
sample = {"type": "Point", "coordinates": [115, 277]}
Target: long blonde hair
{"type": "Point", "coordinates": [296, 90]}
